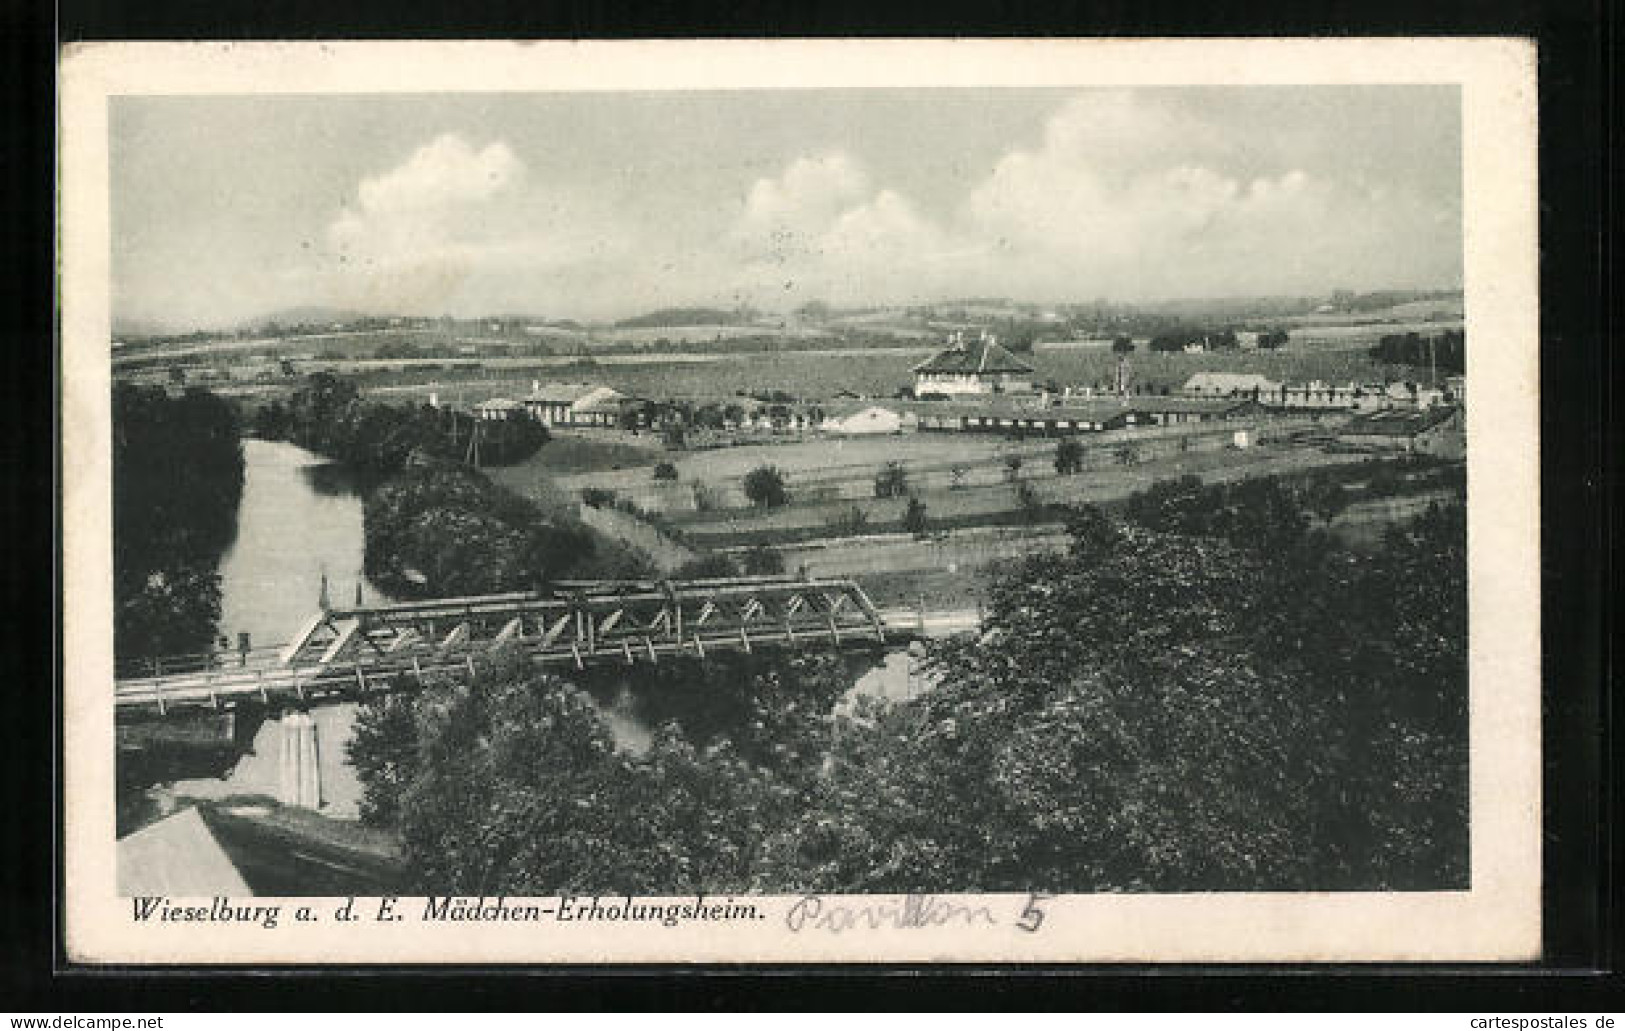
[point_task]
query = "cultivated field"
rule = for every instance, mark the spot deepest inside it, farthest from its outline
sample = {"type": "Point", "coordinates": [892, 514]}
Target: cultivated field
{"type": "Point", "coordinates": [991, 504]}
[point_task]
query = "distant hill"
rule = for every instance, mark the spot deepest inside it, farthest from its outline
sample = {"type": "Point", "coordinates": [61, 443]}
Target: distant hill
{"type": "Point", "coordinates": [688, 317]}
{"type": "Point", "coordinates": [124, 326]}
{"type": "Point", "coordinates": [303, 315]}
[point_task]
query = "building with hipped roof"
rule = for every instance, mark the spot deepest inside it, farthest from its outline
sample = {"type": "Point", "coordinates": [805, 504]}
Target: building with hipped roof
{"type": "Point", "coordinates": [979, 366]}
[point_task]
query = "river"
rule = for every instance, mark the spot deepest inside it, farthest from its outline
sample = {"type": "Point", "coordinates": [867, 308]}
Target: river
{"type": "Point", "coordinates": [299, 524]}
{"type": "Point", "coordinates": [300, 520]}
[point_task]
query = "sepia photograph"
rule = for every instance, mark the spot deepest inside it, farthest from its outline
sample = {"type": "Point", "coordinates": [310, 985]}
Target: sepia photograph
{"type": "Point", "coordinates": [801, 508]}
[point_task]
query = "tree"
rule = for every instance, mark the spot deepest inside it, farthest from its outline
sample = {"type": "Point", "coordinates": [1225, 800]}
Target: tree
{"type": "Point", "coordinates": [1068, 457]}
{"type": "Point", "coordinates": [521, 791]}
{"type": "Point", "coordinates": [765, 487]}
{"type": "Point", "coordinates": [914, 518]}
{"type": "Point", "coordinates": [1257, 514]}
{"type": "Point", "coordinates": [673, 435]}
{"type": "Point", "coordinates": [1122, 344]}
{"type": "Point", "coordinates": [384, 751]}
{"type": "Point", "coordinates": [177, 481]}
{"type": "Point", "coordinates": [891, 481]}
{"type": "Point", "coordinates": [1012, 467]}
{"type": "Point", "coordinates": [1272, 339]}
{"type": "Point", "coordinates": [665, 472]}
{"type": "Point", "coordinates": [511, 784]}
{"type": "Point", "coordinates": [170, 610]}
{"type": "Point", "coordinates": [1132, 718]}
{"type": "Point", "coordinates": [463, 534]}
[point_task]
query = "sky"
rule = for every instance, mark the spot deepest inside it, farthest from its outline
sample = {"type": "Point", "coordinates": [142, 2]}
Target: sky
{"type": "Point", "coordinates": [604, 205]}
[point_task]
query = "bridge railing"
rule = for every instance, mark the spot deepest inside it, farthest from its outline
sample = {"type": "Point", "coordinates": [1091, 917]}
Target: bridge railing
{"type": "Point", "coordinates": [197, 662]}
{"type": "Point", "coordinates": [583, 623]}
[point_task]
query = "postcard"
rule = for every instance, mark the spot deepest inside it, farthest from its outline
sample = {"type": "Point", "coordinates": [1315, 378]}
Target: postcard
{"type": "Point", "coordinates": [841, 501]}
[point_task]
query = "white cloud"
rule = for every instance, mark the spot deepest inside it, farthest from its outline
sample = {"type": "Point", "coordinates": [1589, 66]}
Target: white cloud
{"type": "Point", "coordinates": [1123, 195]}
{"type": "Point", "coordinates": [463, 229]}
{"type": "Point", "coordinates": [822, 229]}
{"type": "Point", "coordinates": [446, 171]}
{"type": "Point", "coordinates": [1129, 197]}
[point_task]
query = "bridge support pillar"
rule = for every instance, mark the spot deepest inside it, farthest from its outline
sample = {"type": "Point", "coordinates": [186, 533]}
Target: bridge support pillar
{"type": "Point", "coordinates": [300, 768]}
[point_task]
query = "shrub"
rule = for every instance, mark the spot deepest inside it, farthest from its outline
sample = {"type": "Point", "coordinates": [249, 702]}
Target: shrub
{"type": "Point", "coordinates": [850, 521]}
{"type": "Point", "coordinates": [1032, 506]}
{"type": "Point", "coordinates": [765, 487]}
{"type": "Point", "coordinates": [1068, 457]}
{"type": "Point", "coordinates": [914, 517]}
{"type": "Point", "coordinates": [598, 497]}
{"type": "Point", "coordinates": [705, 496]}
{"type": "Point", "coordinates": [665, 471]}
{"type": "Point", "coordinates": [891, 481]}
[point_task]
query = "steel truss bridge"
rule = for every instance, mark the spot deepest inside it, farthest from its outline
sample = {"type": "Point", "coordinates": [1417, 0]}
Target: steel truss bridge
{"type": "Point", "coordinates": [346, 653]}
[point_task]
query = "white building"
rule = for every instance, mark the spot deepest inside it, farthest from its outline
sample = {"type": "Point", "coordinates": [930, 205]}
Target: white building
{"type": "Point", "coordinates": [570, 404]}
{"type": "Point", "coordinates": [499, 408]}
{"type": "Point", "coordinates": [1228, 384]}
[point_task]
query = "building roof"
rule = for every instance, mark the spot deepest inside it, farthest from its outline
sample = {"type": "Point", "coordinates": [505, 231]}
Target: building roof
{"type": "Point", "coordinates": [1228, 382]}
{"type": "Point", "coordinates": [1181, 405]}
{"type": "Point", "coordinates": [179, 855]}
{"type": "Point", "coordinates": [601, 399]}
{"type": "Point", "coordinates": [499, 404]}
{"type": "Point", "coordinates": [975, 356]}
{"type": "Point", "coordinates": [1099, 410]}
{"type": "Point", "coordinates": [559, 393]}
{"type": "Point", "coordinates": [847, 410]}
{"type": "Point", "coordinates": [1396, 422]}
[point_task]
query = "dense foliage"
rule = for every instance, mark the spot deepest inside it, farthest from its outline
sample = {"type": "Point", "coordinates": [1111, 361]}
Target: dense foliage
{"type": "Point", "coordinates": [375, 440]}
{"type": "Point", "coordinates": [1169, 709]}
{"type": "Point", "coordinates": [1169, 712]}
{"type": "Point", "coordinates": [443, 529]}
{"type": "Point", "coordinates": [514, 786]}
{"type": "Point", "coordinates": [1446, 352]}
{"type": "Point", "coordinates": [177, 482]}
{"type": "Point", "coordinates": [1255, 513]}
{"type": "Point", "coordinates": [1184, 336]}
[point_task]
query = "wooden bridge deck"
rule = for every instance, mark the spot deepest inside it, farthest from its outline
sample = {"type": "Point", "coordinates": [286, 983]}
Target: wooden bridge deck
{"type": "Point", "coordinates": [360, 651]}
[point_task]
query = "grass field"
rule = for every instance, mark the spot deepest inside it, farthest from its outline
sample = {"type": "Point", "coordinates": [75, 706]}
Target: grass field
{"type": "Point", "coordinates": [568, 453]}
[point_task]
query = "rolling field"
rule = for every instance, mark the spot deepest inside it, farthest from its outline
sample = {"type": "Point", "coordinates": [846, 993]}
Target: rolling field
{"type": "Point", "coordinates": [813, 375]}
